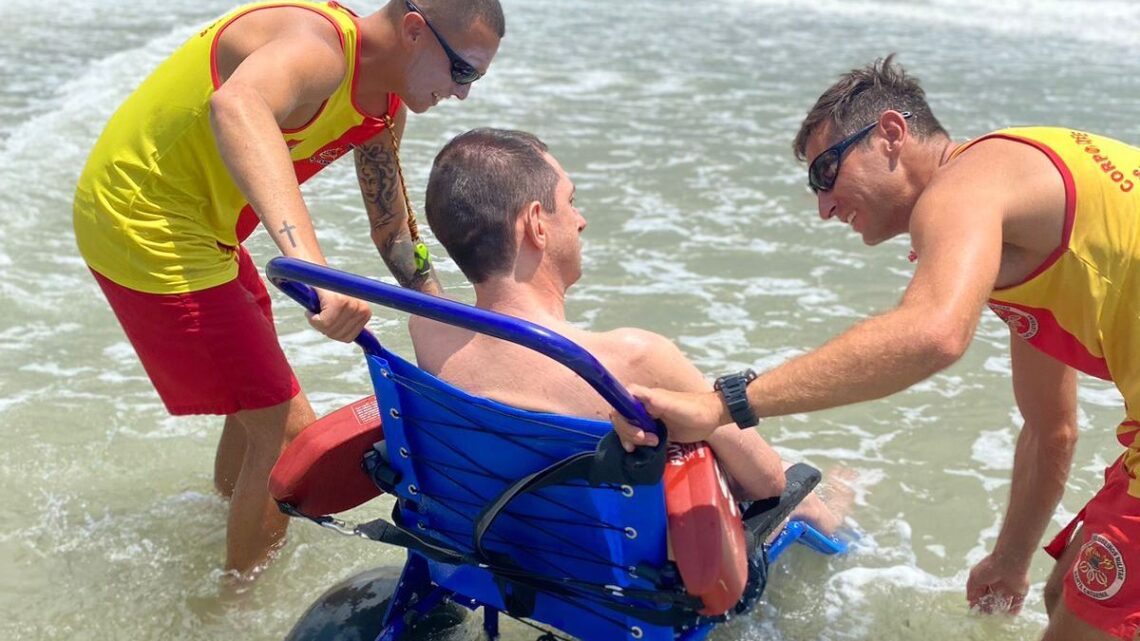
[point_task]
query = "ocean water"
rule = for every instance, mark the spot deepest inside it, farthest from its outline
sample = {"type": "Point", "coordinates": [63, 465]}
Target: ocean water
{"type": "Point", "coordinates": [675, 120]}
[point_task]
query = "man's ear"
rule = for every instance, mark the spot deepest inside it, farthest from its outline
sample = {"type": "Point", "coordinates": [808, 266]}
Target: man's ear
{"type": "Point", "coordinates": [533, 229]}
{"type": "Point", "coordinates": [893, 128]}
{"type": "Point", "coordinates": [412, 27]}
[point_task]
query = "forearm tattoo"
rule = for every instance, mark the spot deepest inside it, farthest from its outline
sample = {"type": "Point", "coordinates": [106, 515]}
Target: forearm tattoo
{"type": "Point", "coordinates": [399, 255]}
{"type": "Point", "coordinates": [380, 186]}
{"type": "Point", "coordinates": [287, 230]}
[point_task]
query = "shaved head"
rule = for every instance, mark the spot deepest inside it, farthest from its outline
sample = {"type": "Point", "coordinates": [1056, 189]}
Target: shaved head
{"type": "Point", "coordinates": [459, 15]}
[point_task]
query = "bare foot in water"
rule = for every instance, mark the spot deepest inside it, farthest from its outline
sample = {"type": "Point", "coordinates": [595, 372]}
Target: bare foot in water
{"type": "Point", "coordinates": [826, 508]}
{"type": "Point", "coordinates": [236, 586]}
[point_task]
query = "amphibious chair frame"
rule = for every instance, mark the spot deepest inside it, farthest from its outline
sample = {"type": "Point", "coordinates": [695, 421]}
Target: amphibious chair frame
{"type": "Point", "coordinates": [556, 523]}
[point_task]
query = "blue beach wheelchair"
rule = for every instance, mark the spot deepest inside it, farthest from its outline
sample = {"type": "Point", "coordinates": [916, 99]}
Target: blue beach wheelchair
{"type": "Point", "coordinates": [542, 517]}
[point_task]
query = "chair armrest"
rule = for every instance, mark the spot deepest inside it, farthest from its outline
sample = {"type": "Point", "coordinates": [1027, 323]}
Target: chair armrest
{"type": "Point", "coordinates": [765, 516]}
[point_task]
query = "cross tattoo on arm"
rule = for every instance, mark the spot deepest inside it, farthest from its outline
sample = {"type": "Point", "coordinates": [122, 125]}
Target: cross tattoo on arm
{"type": "Point", "coordinates": [288, 231]}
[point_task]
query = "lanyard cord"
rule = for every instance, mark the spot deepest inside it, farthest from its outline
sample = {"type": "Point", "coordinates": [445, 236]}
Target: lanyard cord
{"type": "Point", "coordinates": [423, 260]}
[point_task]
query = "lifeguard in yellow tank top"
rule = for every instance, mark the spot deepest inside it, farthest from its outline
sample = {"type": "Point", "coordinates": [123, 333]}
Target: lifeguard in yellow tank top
{"type": "Point", "coordinates": [249, 107]}
{"type": "Point", "coordinates": [1082, 306]}
{"type": "Point", "coordinates": [156, 209]}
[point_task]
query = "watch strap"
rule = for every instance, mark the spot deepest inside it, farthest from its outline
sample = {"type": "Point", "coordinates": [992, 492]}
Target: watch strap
{"type": "Point", "coordinates": [733, 390]}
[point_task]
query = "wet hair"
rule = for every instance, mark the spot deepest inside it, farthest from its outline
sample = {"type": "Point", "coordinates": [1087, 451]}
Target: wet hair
{"type": "Point", "coordinates": [459, 15]}
{"type": "Point", "coordinates": [862, 95]}
{"type": "Point", "coordinates": [479, 182]}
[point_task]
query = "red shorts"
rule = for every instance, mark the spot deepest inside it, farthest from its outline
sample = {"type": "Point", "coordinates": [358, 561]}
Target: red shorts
{"type": "Point", "coordinates": [213, 351]}
{"type": "Point", "coordinates": [1103, 586]}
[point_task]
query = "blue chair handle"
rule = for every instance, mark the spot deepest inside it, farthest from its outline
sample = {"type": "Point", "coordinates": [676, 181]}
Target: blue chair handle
{"type": "Point", "coordinates": [307, 297]}
{"type": "Point", "coordinates": [294, 278]}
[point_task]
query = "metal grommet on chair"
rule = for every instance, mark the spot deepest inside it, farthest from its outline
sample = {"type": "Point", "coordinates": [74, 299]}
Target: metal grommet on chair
{"type": "Point", "coordinates": [627, 491]}
{"type": "Point", "coordinates": [413, 490]}
{"type": "Point", "coordinates": [394, 412]}
{"type": "Point", "coordinates": [630, 533]}
{"type": "Point", "coordinates": [404, 452]}
{"type": "Point", "coordinates": [636, 632]}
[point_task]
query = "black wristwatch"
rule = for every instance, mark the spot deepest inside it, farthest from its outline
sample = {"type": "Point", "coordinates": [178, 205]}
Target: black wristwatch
{"type": "Point", "coordinates": [733, 390]}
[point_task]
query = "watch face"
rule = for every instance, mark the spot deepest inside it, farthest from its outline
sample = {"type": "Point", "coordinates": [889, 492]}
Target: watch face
{"type": "Point", "coordinates": [720, 381]}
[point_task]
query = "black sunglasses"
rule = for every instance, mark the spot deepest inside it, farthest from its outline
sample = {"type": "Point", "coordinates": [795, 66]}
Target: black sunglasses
{"type": "Point", "coordinates": [824, 169]}
{"type": "Point", "coordinates": [462, 72]}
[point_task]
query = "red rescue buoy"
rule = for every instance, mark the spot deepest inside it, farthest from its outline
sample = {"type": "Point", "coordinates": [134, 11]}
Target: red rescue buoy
{"type": "Point", "coordinates": [705, 528]}
{"type": "Point", "coordinates": [320, 472]}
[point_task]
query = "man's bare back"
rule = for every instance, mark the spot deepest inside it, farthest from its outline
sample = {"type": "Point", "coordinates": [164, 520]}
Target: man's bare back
{"type": "Point", "coordinates": [521, 377]}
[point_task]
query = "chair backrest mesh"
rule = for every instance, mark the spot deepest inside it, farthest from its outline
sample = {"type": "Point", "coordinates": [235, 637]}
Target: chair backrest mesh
{"type": "Point", "coordinates": [456, 453]}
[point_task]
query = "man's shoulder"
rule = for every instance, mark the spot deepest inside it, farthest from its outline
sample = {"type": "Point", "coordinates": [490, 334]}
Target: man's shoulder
{"type": "Point", "coordinates": [303, 26]}
{"type": "Point", "coordinates": [630, 347]}
{"type": "Point", "coordinates": [1008, 150]}
{"type": "Point", "coordinates": [631, 339]}
{"type": "Point", "coordinates": [432, 341]}
{"type": "Point", "coordinates": [426, 330]}
{"type": "Point", "coordinates": [1001, 169]}
{"type": "Point", "coordinates": [647, 358]}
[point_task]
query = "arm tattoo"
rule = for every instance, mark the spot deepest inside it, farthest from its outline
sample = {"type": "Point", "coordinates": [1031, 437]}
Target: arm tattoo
{"type": "Point", "coordinates": [379, 183]}
{"type": "Point", "coordinates": [400, 256]}
{"type": "Point", "coordinates": [287, 229]}
{"type": "Point", "coordinates": [380, 187]}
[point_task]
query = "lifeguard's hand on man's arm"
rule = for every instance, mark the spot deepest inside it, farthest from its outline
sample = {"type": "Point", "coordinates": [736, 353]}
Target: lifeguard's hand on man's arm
{"type": "Point", "coordinates": [301, 66]}
{"type": "Point", "coordinates": [381, 186]}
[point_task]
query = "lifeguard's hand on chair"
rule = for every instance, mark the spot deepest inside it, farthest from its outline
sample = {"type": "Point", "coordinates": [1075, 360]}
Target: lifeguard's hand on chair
{"type": "Point", "coordinates": [690, 416]}
{"type": "Point", "coordinates": [341, 317]}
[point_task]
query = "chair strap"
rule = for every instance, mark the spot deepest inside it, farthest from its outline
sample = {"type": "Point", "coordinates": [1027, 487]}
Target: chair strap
{"type": "Point", "coordinates": [572, 467]}
{"type": "Point", "coordinates": [380, 530]}
{"type": "Point", "coordinates": [609, 463]}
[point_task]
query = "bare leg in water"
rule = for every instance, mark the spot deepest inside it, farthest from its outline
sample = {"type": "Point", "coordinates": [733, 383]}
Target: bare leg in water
{"type": "Point", "coordinates": [255, 526]}
{"type": "Point", "coordinates": [830, 503]}
{"type": "Point", "coordinates": [227, 462]}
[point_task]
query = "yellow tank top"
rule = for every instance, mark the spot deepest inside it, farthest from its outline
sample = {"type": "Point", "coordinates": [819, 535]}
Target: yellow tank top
{"type": "Point", "coordinates": [155, 208]}
{"type": "Point", "coordinates": [1082, 305]}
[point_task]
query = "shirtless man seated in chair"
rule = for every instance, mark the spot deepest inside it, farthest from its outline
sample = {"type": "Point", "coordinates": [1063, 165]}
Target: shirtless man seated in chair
{"type": "Point", "coordinates": [503, 208]}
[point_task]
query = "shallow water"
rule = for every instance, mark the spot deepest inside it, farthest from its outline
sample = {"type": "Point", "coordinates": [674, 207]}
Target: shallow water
{"type": "Point", "coordinates": [675, 120]}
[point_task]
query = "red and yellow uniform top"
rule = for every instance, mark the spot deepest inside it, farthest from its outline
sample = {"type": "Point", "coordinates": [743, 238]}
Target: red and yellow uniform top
{"type": "Point", "coordinates": [1082, 305]}
{"type": "Point", "coordinates": [155, 208]}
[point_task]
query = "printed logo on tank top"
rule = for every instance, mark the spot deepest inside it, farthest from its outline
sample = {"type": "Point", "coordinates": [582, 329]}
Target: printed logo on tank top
{"type": "Point", "coordinates": [1020, 321]}
{"type": "Point", "coordinates": [202, 34]}
{"type": "Point", "coordinates": [329, 155]}
{"type": "Point", "coordinates": [1099, 572]}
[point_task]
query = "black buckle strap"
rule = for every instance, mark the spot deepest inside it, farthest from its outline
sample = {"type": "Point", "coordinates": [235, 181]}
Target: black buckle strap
{"type": "Point", "coordinates": [381, 472]}
{"type": "Point", "coordinates": [609, 463]}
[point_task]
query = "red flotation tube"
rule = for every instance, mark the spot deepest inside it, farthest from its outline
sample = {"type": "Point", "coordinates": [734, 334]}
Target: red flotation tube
{"type": "Point", "coordinates": [320, 473]}
{"type": "Point", "coordinates": [706, 533]}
